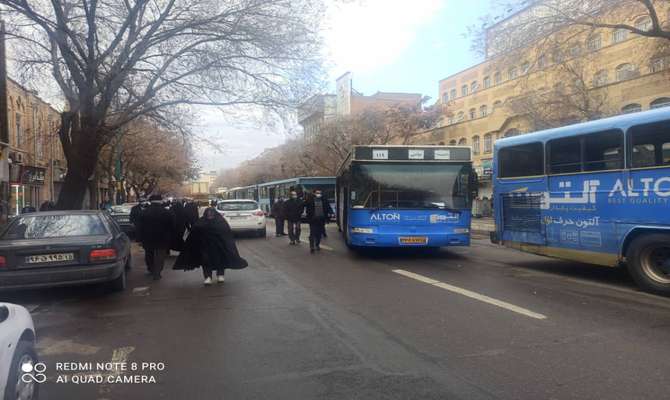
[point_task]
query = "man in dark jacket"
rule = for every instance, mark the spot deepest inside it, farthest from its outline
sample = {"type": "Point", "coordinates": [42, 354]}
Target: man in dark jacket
{"type": "Point", "coordinates": [293, 211]}
{"type": "Point", "coordinates": [279, 216]}
{"type": "Point", "coordinates": [156, 232]}
{"type": "Point", "coordinates": [317, 209]}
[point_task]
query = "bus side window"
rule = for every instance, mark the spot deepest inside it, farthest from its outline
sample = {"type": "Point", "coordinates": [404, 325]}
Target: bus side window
{"type": "Point", "coordinates": [564, 155]}
{"type": "Point", "coordinates": [603, 151]}
{"type": "Point", "coordinates": [650, 145]}
{"type": "Point", "coordinates": [522, 160]}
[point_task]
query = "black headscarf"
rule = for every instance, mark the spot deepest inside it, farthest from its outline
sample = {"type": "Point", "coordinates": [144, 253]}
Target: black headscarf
{"type": "Point", "coordinates": [210, 243]}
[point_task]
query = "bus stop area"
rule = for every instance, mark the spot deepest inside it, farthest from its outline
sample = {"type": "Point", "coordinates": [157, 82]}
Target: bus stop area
{"type": "Point", "coordinates": [478, 322]}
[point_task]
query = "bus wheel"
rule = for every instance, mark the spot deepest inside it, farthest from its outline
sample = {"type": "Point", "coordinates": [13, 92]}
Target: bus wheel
{"type": "Point", "coordinates": [649, 262]}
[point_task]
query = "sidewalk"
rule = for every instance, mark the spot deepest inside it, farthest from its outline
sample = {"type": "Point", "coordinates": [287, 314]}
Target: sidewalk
{"type": "Point", "coordinates": [483, 225]}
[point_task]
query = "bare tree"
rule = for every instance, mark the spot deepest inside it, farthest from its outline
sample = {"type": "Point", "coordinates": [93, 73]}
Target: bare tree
{"type": "Point", "coordinates": [115, 61]}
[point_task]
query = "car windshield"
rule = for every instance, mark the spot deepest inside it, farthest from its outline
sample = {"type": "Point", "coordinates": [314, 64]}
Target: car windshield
{"type": "Point", "coordinates": [55, 226]}
{"type": "Point", "coordinates": [237, 206]}
{"type": "Point", "coordinates": [411, 186]}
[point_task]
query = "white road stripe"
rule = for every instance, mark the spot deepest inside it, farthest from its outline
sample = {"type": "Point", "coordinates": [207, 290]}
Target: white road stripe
{"type": "Point", "coordinates": [471, 294]}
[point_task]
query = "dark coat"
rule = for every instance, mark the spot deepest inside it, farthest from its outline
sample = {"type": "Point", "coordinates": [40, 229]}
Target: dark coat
{"type": "Point", "coordinates": [157, 227]}
{"type": "Point", "coordinates": [293, 209]}
{"type": "Point", "coordinates": [211, 244]}
{"type": "Point", "coordinates": [278, 210]}
{"type": "Point", "coordinates": [191, 212]}
{"type": "Point", "coordinates": [135, 212]}
{"type": "Point", "coordinates": [309, 209]}
{"type": "Point", "coordinates": [180, 226]}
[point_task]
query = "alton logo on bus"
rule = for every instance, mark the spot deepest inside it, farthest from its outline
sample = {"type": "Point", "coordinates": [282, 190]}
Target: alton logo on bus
{"type": "Point", "coordinates": [645, 187]}
{"type": "Point", "coordinates": [388, 217]}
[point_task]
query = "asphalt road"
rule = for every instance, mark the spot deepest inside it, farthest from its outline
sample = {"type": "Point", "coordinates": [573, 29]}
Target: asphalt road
{"type": "Point", "coordinates": [466, 323]}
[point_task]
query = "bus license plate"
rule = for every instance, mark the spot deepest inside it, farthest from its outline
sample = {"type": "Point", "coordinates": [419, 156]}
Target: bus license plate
{"type": "Point", "coordinates": [47, 258]}
{"type": "Point", "coordinates": [414, 240]}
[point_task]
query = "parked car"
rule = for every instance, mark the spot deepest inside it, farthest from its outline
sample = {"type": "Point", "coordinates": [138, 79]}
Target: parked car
{"type": "Point", "coordinates": [121, 215]}
{"type": "Point", "coordinates": [61, 248]}
{"type": "Point", "coordinates": [17, 349]}
{"type": "Point", "coordinates": [243, 216]}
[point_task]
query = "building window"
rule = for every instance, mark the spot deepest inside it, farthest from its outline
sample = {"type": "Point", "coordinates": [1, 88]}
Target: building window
{"type": "Point", "coordinates": [452, 94]}
{"type": "Point", "coordinates": [473, 113]}
{"type": "Point", "coordinates": [460, 117]}
{"type": "Point", "coordinates": [600, 78]}
{"type": "Point", "coordinates": [475, 145]}
{"type": "Point", "coordinates": [660, 102]}
{"type": "Point", "coordinates": [497, 78]}
{"type": "Point", "coordinates": [643, 24]}
{"type": "Point", "coordinates": [631, 108]}
{"type": "Point", "coordinates": [657, 65]}
{"type": "Point", "coordinates": [595, 43]}
{"type": "Point", "coordinates": [619, 35]}
{"type": "Point", "coordinates": [483, 111]}
{"type": "Point", "coordinates": [488, 143]}
{"type": "Point", "coordinates": [525, 67]}
{"type": "Point", "coordinates": [474, 87]}
{"type": "Point", "coordinates": [19, 131]}
{"type": "Point", "coordinates": [462, 142]}
{"type": "Point", "coordinates": [511, 132]}
{"type": "Point", "coordinates": [575, 51]}
{"type": "Point", "coordinates": [445, 97]}
{"type": "Point", "coordinates": [464, 90]}
{"type": "Point", "coordinates": [541, 61]}
{"type": "Point", "coordinates": [450, 120]}
{"type": "Point", "coordinates": [452, 142]}
{"type": "Point", "coordinates": [625, 71]}
{"type": "Point", "coordinates": [497, 104]}
{"type": "Point", "coordinates": [512, 73]}
{"type": "Point", "coordinates": [487, 82]}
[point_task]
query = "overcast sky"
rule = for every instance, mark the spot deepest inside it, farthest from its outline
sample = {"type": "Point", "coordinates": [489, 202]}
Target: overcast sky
{"type": "Point", "coordinates": [388, 45]}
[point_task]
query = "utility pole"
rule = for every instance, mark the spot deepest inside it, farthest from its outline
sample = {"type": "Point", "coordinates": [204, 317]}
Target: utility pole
{"type": "Point", "coordinates": [4, 130]}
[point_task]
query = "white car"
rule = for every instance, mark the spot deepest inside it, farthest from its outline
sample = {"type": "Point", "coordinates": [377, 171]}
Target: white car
{"type": "Point", "coordinates": [17, 354]}
{"type": "Point", "coordinates": [243, 216]}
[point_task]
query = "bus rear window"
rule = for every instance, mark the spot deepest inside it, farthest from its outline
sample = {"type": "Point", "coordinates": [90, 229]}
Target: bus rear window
{"type": "Point", "coordinates": [650, 145]}
{"type": "Point", "coordinates": [522, 160]}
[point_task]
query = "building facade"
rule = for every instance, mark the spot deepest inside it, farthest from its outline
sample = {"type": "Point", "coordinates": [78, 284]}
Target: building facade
{"type": "Point", "coordinates": [623, 71]}
{"type": "Point", "coordinates": [319, 109]}
{"type": "Point", "coordinates": [35, 157]}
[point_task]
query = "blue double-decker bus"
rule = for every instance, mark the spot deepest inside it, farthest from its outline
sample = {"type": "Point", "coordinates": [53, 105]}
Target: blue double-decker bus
{"type": "Point", "coordinates": [596, 192]}
{"type": "Point", "coordinates": [397, 196]}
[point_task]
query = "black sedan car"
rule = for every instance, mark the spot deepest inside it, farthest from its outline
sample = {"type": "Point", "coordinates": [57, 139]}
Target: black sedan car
{"type": "Point", "coordinates": [61, 248]}
{"type": "Point", "coordinates": [121, 215]}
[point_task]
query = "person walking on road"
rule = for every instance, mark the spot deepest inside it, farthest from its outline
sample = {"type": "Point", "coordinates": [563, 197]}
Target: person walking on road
{"type": "Point", "coordinates": [192, 214]}
{"type": "Point", "coordinates": [156, 232]}
{"type": "Point", "coordinates": [317, 209]}
{"type": "Point", "coordinates": [180, 225]}
{"type": "Point", "coordinates": [278, 213]}
{"type": "Point", "coordinates": [293, 208]}
{"type": "Point", "coordinates": [210, 244]}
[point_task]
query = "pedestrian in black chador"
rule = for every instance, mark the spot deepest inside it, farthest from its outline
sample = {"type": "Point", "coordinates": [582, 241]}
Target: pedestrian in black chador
{"type": "Point", "coordinates": [156, 232]}
{"type": "Point", "coordinates": [191, 211]}
{"type": "Point", "coordinates": [210, 245]}
{"type": "Point", "coordinates": [180, 225]}
{"type": "Point", "coordinates": [293, 208]}
{"type": "Point", "coordinates": [279, 215]}
{"type": "Point", "coordinates": [317, 209]}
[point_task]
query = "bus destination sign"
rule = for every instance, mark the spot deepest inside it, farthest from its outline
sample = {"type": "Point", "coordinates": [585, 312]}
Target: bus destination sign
{"type": "Point", "coordinates": [400, 153]}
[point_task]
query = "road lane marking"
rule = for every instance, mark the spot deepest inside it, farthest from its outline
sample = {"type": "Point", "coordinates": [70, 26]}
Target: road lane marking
{"type": "Point", "coordinates": [471, 294]}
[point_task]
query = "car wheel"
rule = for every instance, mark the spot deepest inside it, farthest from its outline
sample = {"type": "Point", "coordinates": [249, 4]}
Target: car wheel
{"type": "Point", "coordinates": [16, 388]}
{"type": "Point", "coordinates": [648, 260]}
{"type": "Point", "coordinates": [262, 232]}
{"type": "Point", "coordinates": [119, 284]}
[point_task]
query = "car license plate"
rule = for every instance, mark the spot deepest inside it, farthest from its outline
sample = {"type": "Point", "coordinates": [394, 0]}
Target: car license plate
{"type": "Point", "coordinates": [123, 219]}
{"type": "Point", "coordinates": [47, 258]}
{"type": "Point", "coordinates": [413, 240]}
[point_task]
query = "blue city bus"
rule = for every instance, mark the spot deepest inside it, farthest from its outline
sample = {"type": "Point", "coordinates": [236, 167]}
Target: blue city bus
{"type": "Point", "coordinates": [596, 192]}
{"type": "Point", "coordinates": [269, 192]}
{"type": "Point", "coordinates": [242, 193]}
{"type": "Point", "coordinates": [406, 196]}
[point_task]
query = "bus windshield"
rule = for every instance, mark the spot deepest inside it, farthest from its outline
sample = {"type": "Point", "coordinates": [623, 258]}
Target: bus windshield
{"type": "Point", "coordinates": [411, 186]}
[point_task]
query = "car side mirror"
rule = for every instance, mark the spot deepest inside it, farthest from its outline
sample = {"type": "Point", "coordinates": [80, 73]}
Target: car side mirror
{"type": "Point", "coordinates": [4, 313]}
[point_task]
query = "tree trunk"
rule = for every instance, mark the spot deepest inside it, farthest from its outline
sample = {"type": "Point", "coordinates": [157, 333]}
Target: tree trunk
{"type": "Point", "coordinates": [81, 161]}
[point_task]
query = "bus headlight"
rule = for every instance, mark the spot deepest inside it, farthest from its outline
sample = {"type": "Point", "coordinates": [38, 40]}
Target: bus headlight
{"type": "Point", "coordinates": [362, 230]}
{"type": "Point", "coordinates": [461, 230]}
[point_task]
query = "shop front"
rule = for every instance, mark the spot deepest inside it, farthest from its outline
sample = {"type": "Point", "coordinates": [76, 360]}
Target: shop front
{"type": "Point", "coordinates": [27, 183]}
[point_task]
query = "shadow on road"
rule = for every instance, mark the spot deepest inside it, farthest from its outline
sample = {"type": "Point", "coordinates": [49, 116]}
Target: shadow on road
{"type": "Point", "coordinates": [570, 269]}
